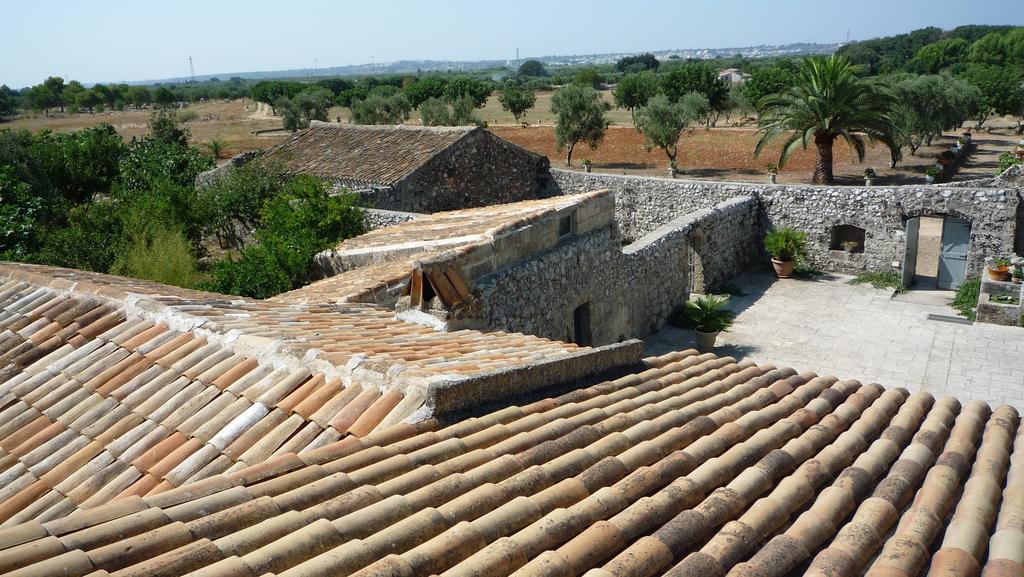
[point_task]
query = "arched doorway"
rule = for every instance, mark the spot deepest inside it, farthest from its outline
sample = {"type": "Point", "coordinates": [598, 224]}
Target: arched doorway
{"type": "Point", "coordinates": [936, 251]}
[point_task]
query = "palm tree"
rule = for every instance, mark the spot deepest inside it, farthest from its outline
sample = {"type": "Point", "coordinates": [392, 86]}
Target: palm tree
{"type": "Point", "coordinates": [828, 101]}
{"type": "Point", "coordinates": [216, 148]}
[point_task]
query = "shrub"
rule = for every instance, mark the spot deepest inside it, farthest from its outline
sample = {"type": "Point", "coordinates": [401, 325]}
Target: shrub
{"type": "Point", "coordinates": [786, 244]}
{"type": "Point", "coordinates": [966, 299]}
{"type": "Point", "coordinates": [1008, 159]}
{"type": "Point", "coordinates": [302, 221]}
{"type": "Point", "coordinates": [378, 107]}
{"type": "Point", "coordinates": [161, 254]}
{"type": "Point", "coordinates": [708, 313]}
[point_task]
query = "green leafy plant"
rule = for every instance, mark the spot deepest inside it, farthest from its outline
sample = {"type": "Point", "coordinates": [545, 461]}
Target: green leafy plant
{"type": "Point", "coordinates": [1004, 299]}
{"type": "Point", "coordinates": [881, 279]}
{"type": "Point", "coordinates": [805, 271]}
{"type": "Point", "coordinates": [786, 244]}
{"type": "Point", "coordinates": [966, 299]}
{"type": "Point", "coordinates": [1000, 262]}
{"type": "Point", "coordinates": [869, 173]}
{"type": "Point", "coordinates": [933, 172]}
{"type": "Point", "coordinates": [772, 168]}
{"type": "Point", "coordinates": [708, 314]}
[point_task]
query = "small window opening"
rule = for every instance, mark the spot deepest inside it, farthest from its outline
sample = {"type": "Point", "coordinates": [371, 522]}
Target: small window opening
{"type": "Point", "coordinates": [565, 225]}
{"type": "Point", "coordinates": [847, 238]}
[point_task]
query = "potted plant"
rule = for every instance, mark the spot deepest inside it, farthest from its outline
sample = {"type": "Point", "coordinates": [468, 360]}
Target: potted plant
{"type": "Point", "coordinates": [709, 317]}
{"type": "Point", "coordinates": [785, 246]}
{"type": "Point", "coordinates": [673, 169]}
{"type": "Point", "coordinates": [869, 176]}
{"type": "Point", "coordinates": [773, 173]}
{"type": "Point", "coordinates": [850, 245]}
{"type": "Point", "coordinates": [931, 174]}
{"type": "Point", "coordinates": [587, 164]}
{"type": "Point", "coordinates": [1018, 275]}
{"type": "Point", "coordinates": [999, 269]}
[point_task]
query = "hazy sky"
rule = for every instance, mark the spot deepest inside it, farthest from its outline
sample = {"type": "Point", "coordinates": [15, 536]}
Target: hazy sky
{"type": "Point", "coordinates": [114, 40]}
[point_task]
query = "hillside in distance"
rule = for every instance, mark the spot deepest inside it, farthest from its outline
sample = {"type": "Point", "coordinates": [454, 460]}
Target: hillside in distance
{"type": "Point", "coordinates": [419, 66]}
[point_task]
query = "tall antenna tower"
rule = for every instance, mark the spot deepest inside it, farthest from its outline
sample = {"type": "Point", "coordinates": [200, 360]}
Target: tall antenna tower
{"type": "Point", "coordinates": [191, 69]}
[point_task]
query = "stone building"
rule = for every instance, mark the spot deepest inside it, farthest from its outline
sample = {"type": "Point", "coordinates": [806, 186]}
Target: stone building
{"type": "Point", "coordinates": [414, 168]}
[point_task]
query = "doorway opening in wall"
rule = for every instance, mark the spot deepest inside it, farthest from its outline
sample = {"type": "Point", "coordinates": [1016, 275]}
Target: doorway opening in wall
{"type": "Point", "coordinates": [935, 256]}
{"type": "Point", "coordinates": [581, 325]}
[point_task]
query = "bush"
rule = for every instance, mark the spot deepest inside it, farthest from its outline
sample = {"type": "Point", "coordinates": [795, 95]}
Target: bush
{"type": "Point", "coordinates": [786, 244]}
{"type": "Point", "coordinates": [1008, 159]}
{"type": "Point", "coordinates": [302, 221]}
{"type": "Point", "coordinates": [161, 254]}
{"type": "Point", "coordinates": [705, 313]}
{"type": "Point", "coordinates": [966, 299]}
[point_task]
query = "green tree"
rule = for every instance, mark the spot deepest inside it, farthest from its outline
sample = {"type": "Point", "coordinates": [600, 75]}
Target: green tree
{"type": "Point", "coordinates": [55, 84]}
{"type": "Point", "coordinates": [662, 122]}
{"type": "Point", "coordinates": [70, 95]}
{"type": "Point", "coordinates": [940, 55]}
{"type": "Point", "coordinates": [270, 92]}
{"type": "Point", "coordinates": [378, 107]}
{"type": "Point", "coordinates": [532, 68]}
{"type": "Point", "coordinates": [163, 97]}
{"type": "Point", "coordinates": [139, 96]}
{"type": "Point", "coordinates": [991, 49]}
{"type": "Point", "coordinates": [425, 88]}
{"type": "Point", "coordinates": [927, 105]}
{"type": "Point", "coordinates": [517, 101]}
{"type": "Point", "coordinates": [297, 112]}
{"type": "Point", "coordinates": [88, 100]}
{"type": "Point", "coordinates": [768, 80]}
{"type": "Point", "coordinates": [467, 87]}
{"type": "Point", "coordinates": [588, 76]}
{"type": "Point", "coordinates": [1001, 91]}
{"type": "Point", "coordinates": [827, 102]}
{"type": "Point", "coordinates": [438, 112]}
{"type": "Point", "coordinates": [695, 77]}
{"type": "Point", "coordinates": [8, 101]}
{"type": "Point", "coordinates": [303, 220]}
{"type": "Point", "coordinates": [697, 107]}
{"type": "Point", "coordinates": [634, 90]}
{"type": "Point", "coordinates": [580, 117]}
{"type": "Point", "coordinates": [637, 63]}
{"type": "Point", "coordinates": [165, 127]}
{"type": "Point", "coordinates": [158, 252]}
{"type": "Point", "coordinates": [42, 98]}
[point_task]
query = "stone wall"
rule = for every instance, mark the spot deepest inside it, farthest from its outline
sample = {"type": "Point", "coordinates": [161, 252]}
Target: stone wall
{"type": "Point", "coordinates": [479, 170]}
{"type": "Point", "coordinates": [996, 214]}
{"type": "Point", "coordinates": [883, 212]}
{"type": "Point", "coordinates": [630, 291]}
{"type": "Point", "coordinates": [375, 218]}
{"type": "Point", "coordinates": [644, 203]}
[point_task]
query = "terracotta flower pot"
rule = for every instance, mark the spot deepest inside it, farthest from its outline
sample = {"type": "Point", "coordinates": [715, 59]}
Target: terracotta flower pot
{"type": "Point", "coordinates": [1001, 273]}
{"type": "Point", "coordinates": [783, 268]}
{"type": "Point", "coordinates": [706, 341]}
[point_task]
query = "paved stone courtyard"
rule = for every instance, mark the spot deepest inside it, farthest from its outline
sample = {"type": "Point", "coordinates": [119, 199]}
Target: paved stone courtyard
{"type": "Point", "coordinates": [859, 332]}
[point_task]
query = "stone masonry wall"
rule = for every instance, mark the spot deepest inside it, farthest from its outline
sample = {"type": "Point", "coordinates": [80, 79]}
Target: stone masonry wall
{"type": "Point", "coordinates": [479, 170]}
{"type": "Point", "coordinates": [632, 290]}
{"type": "Point", "coordinates": [645, 203]}
{"type": "Point", "coordinates": [374, 218]}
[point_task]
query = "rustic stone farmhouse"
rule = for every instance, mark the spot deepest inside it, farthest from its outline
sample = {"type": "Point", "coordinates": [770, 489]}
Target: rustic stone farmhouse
{"type": "Point", "coordinates": [414, 168]}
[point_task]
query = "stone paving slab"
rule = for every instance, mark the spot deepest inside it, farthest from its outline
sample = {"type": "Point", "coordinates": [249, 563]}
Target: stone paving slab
{"type": "Point", "coordinates": [859, 332]}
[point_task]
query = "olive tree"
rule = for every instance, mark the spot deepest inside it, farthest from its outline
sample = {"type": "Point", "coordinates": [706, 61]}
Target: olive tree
{"type": "Point", "coordinates": [579, 117]}
{"type": "Point", "coordinates": [516, 100]}
{"type": "Point", "coordinates": [662, 122]}
{"type": "Point", "coordinates": [634, 90]}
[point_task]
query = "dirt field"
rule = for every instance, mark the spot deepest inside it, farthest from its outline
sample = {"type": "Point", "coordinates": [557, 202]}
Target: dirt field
{"type": "Point", "coordinates": [720, 153]}
{"type": "Point", "coordinates": [728, 154]}
{"type": "Point", "coordinates": [233, 122]}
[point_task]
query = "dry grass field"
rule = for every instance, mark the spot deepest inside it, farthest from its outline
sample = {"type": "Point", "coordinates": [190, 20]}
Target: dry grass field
{"type": "Point", "coordinates": [720, 153]}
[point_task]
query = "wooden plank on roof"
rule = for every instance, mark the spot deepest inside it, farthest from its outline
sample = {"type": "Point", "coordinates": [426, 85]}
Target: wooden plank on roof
{"type": "Point", "coordinates": [455, 278]}
{"type": "Point", "coordinates": [443, 287]}
{"type": "Point", "coordinates": [416, 288]}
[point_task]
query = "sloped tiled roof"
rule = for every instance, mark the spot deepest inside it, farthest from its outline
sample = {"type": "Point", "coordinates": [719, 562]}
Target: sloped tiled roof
{"type": "Point", "coordinates": [399, 249]}
{"type": "Point", "coordinates": [694, 466]}
{"type": "Point", "coordinates": [112, 388]}
{"type": "Point", "coordinates": [362, 155]}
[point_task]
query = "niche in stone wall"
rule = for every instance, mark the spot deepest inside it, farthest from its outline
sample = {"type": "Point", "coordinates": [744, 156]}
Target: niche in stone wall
{"type": "Point", "coordinates": [847, 238]}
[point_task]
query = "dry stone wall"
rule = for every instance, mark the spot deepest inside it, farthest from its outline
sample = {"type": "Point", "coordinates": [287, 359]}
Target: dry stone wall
{"type": "Point", "coordinates": [631, 290]}
{"type": "Point", "coordinates": [996, 214]}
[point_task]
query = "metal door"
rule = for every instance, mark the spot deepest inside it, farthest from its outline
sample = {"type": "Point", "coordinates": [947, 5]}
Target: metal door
{"type": "Point", "coordinates": [956, 237]}
{"type": "Point", "coordinates": [910, 252]}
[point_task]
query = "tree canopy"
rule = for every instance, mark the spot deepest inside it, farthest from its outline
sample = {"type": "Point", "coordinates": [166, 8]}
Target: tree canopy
{"type": "Point", "coordinates": [580, 117]}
